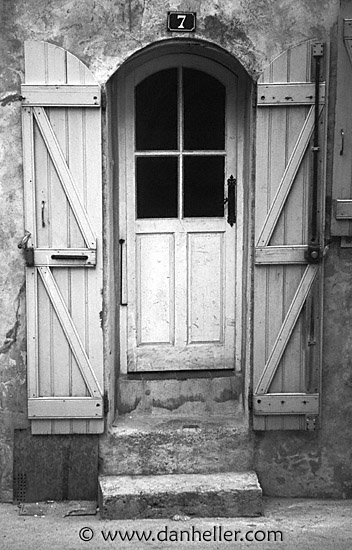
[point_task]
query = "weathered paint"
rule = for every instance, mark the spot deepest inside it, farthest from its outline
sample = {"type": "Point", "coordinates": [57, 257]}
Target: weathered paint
{"type": "Point", "coordinates": [103, 35]}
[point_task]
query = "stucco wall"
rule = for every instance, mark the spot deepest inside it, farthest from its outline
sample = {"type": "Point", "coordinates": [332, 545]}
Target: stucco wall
{"type": "Point", "coordinates": [104, 33]}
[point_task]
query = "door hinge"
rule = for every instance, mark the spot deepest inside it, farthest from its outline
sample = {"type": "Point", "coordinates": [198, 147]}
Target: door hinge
{"type": "Point", "coordinates": [250, 401]}
{"type": "Point", "coordinates": [106, 403]}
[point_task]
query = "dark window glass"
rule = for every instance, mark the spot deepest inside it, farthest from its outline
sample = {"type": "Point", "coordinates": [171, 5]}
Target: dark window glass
{"type": "Point", "coordinates": [157, 187]}
{"type": "Point", "coordinates": [156, 112]}
{"type": "Point", "coordinates": [203, 194]}
{"type": "Point", "coordinates": [204, 111]}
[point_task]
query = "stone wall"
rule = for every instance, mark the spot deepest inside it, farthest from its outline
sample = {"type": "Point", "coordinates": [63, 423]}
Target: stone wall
{"type": "Point", "coordinates": [103, 34]}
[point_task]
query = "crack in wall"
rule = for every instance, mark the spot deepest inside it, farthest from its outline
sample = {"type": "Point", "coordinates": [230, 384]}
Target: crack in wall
{"type": "Point", "coordinates": [11, 335]}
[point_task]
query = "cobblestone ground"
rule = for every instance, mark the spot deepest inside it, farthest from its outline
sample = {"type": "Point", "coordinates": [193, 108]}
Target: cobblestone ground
{"type": "Point", "coordinates": [287, 523]}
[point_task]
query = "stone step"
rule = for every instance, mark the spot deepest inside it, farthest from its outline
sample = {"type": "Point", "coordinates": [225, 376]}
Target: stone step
{"type": "Point", "coordinates": [169, 445]}
{"type": "Point", "coordinates": [197, 495]}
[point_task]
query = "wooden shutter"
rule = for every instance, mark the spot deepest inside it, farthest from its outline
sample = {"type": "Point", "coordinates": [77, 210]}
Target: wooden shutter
{"type": "Point", "coordinates": [287, 301]}
{"type": "Point", "coordinates": [341, 215]}
{"type": "Point", "coordinates": [63, 242]}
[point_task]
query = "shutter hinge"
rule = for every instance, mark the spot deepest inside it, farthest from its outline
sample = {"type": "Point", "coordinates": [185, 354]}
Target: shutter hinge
{"type": "Point", "coordinates": [313, 254]}
{"type": "Point", "coordinates": [106, 403]}
{"type": "Point", "coordinates": [250, 400]}
{"type": "Point", "coordinates": [103, 99]}
{"type": "Point", "coordinates": [312, 422]}
{"type": "Point", "coordinates": [318, 49]}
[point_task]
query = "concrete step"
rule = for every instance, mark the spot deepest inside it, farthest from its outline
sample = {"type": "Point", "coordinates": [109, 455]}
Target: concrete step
{"type": "Point", "coordinates": [197, 495]}
{"type": "Point", "coordinates": [147, 445]}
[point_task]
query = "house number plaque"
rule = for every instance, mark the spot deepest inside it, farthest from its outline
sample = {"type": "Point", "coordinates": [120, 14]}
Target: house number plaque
{"type": "Point", "coordinates": [181, 21]}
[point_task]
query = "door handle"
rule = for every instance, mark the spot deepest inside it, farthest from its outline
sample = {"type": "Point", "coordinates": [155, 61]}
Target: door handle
{"type": "Point", "coordinates": [231, 200]}
{"type": "Point", "coordinates": [123, 265]}
{"type": "Point", "coordinates": [342, 142]}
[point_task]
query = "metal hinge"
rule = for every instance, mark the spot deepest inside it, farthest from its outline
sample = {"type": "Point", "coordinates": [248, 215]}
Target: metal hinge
{"type": "Point", "coordinates": [103, 99]}
{"type": "Point", "coordinates": [318, 49]}
{"type": "Point", "coordinates": [312, 422]}
{"type": "Point", "coordinates": [313, 254]}
{"type": "Point", "coordinates": [250, 400]}
{"type": "Point", "coordinates": [106, 403]}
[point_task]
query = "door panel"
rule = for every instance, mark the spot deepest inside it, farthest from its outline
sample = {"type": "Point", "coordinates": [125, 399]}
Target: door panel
{"type": "Point", "coordinates": [155, 265]}
{"type": "Point", "coordinates": [206, 287]}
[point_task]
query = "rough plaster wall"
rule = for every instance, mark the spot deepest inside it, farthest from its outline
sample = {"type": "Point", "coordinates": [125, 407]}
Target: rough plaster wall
{"type": "Point", "coordinates": [319, 463]}
{"type": "Point", "coordinates": [103, 33]}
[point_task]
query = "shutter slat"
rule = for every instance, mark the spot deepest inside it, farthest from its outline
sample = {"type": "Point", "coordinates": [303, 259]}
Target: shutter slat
{"type": "Point", "coordinates": [289, 94]}
{"type": "Point", "coordinates": [69, 407]}
{"type": "Point", "coordinates": [280, 254]}
{"type": "Point", "coordinates": [65, 257]}
{"type": "Point", "coordinates": [286, 403]}
{"type": "Point", "coordinates": [61, 96]}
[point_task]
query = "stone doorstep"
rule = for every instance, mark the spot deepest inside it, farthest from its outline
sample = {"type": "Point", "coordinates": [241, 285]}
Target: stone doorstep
{"type": "Point", "coordinates": [235, 494]}
{"type": "Point", "coordinates": [148, 445]}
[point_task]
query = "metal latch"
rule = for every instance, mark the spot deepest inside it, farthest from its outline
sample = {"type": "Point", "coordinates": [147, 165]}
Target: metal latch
{"type": "Point", "coordinates": [28, 251]}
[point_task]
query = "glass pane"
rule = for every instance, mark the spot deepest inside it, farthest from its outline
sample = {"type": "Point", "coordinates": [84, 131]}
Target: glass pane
{"type": "Point", "coordinates": [204, 112]}
{"type": "Point", "coordinates": [203, 194]}
{"type": "Point", "coordinates": [156, 112]}
{"type": "Point", "coordinates": [157, 187]}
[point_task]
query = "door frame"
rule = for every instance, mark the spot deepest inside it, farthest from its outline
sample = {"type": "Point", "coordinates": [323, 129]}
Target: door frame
{"type": "Point", "coordinates": [213, 53]}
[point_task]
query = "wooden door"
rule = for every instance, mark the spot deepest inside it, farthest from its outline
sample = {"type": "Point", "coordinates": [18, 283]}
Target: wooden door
{"type": "Point", "coordinates": [289, 240]}
{"type": "Point", "coordinates": [63, 242]}
{"type": "Point", "coordinates": [179, 254]}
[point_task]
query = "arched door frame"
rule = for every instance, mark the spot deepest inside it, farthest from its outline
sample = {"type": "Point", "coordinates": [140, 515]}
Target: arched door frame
{"type": "Point", "coordinates": [153, 56]}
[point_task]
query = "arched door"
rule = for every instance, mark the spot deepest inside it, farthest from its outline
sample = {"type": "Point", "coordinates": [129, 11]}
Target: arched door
{"type": "Point", "coordinates": [179, 256]}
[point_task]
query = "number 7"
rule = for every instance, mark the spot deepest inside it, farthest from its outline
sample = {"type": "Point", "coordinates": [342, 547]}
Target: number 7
{"type": "Point", "coordinates": [183, 17]}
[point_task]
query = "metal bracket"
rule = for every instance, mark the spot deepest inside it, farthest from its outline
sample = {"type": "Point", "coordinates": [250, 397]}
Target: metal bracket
{"type": "Point", "coordinates": [312, 421]}
{"type": "Point", "coordinates": [313, 254]}
{"type": "Point", "coordinates": [29, 256]}
{"type": "Point", "coordinates": [28, 251]}
{"type": "Point", "coordinates": [318, 49]}
{"type": "Point", "coordinates": [106, 403]}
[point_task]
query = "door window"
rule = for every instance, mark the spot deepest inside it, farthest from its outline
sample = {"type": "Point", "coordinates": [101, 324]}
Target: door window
{"type": "Point", "coordinates": [180, 144]}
